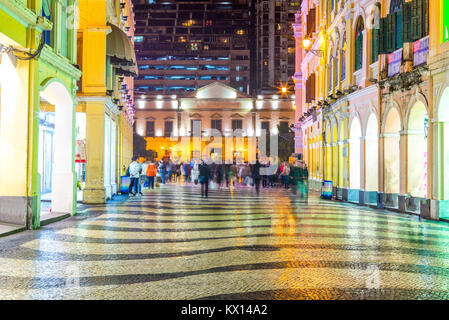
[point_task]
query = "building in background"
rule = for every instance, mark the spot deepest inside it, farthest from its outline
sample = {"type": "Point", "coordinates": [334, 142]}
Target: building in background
{"type": "Point", "coordinates": [273, 46]}
{"type": "Point", "coordinates": [37, 111]}
{"type": "Point", "coordinates": [105, 112]}
{"type": "Point", "coordinates": [182, 46]}
{"type": "Point", "coordinates": [168, 124]}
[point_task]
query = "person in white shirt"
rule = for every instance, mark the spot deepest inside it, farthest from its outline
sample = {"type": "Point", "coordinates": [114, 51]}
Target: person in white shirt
{"type": "Point", "coordinates": [134, 174]}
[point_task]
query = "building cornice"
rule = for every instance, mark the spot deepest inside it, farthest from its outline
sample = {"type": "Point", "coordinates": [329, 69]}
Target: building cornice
{"type": "Point", "coordinates": [62, 64]}
{"type": "Point", "coordinates": [22, 14]}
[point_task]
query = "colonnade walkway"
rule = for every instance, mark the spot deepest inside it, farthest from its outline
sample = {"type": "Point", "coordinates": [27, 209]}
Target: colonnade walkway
{"type": "Point", "coordinates": [172, 244]}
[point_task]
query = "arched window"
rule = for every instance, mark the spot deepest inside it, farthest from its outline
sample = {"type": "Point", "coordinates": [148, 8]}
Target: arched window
{"type": "Point", "coordinates": [343, 58]}
{"type": "Point", "coordinates": [331, 69]}
{"type": "Point", "coordinates": [375, 35]}
{"type": "Point", "coordinates": [359, 44]}
{"type": "Point", "coordinates": [335, 69]}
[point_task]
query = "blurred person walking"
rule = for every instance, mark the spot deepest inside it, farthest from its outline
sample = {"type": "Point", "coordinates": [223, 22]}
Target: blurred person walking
{"type": "Point", "coordinates": [256, 176]}
{"type": "Point", "coordinates": [151, 174]}
{"type": "Point", "coordinates": [205, 176]}
{"type": "Point", "coordinates": [285, 173]}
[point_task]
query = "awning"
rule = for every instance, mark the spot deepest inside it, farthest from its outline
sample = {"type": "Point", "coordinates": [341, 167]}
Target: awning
{"type": "Point", "coordinates": [120, 48]}
{"type": "Point", "coordinates": [127, 71]}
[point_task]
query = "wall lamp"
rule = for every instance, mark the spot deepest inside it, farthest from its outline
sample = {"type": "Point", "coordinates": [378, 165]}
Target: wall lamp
{"type": "Point", "coordinates": [306, 43]}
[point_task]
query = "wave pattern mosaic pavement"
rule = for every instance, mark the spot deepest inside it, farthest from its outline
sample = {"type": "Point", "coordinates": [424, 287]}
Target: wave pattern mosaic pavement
{"type": "Point", "coordinates": [172, 244]}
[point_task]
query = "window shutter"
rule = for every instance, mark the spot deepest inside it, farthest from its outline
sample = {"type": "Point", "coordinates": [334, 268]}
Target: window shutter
{"type": "Point", "coordinates": [382, 36]}
{"type": "Point", "coordinates": [417, 19]}
{"type": "Point", "coordinates": [359, 52]}
{"type": "Point", "coordinates": [375, 47]}
{"type": "Point", "coordinates": [308, 90]}
{"type": "Point", "coordinates": [425, 18]}
{"type": "Point", "coordinates": [406, 22]}
{"type": "Point", "coordinates": [391, 41]}
{"type": "Point", "coordinates": [312, 92]}
{"type": "Point", "coordinates": [398, 29]}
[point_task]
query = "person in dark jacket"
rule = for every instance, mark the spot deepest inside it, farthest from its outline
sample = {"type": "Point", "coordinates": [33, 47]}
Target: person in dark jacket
{"type": "Point", "coordinates": [205, 176]}
{"type": "Point", "coordinates": [303, 182]}
{"type": "Point", "coordinates": [256, 175]}
{"type": "Point", "coordinates": [219, 174]}
{"type": "Point", "coordinates": [295, 177]}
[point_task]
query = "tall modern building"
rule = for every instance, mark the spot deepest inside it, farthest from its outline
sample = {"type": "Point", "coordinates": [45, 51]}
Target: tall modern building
{"type": "Point", "coordinates": [195, 66]}
{"type": "Point", "coordinates": [273, 57]}
{"type": "Point", "coordinates": [185, 45]}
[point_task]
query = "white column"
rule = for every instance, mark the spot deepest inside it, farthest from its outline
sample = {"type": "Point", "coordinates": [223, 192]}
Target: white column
{"type": "Point", "coordinates": [113, 157]}
{"type": "Point", "coordinates": [63, 178]}
{"type": "Point", "coordinates": [107, 157]}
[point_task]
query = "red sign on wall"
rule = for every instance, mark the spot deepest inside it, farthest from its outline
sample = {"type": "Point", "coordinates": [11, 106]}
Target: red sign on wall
{"type": "Point", "coordinates": [80, 151]}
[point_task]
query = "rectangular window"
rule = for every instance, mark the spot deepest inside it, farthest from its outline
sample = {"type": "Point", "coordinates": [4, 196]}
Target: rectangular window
{"type": "Point", "coordinates": [375, 52]}
{"type": "Point", "coordinates": [398, 16]}
{"type": "Point", "coordinates": [417, 15]}
{"type": "Point", "coordinates": [216, 124]}
{"type": "Point", "coordinates": [150, 129]}
{"type": "Point", "coordinates": [284, 127]}
{"type": "Point", "coordinates": [168, 129]}
{"type": "Point", "coordinates": [406, 22]}
{"type": "Point", "coordinates": [237, 125]}
{"type": "Point", "coordinates": [265, 126]}
{"type": "Point", "coordinates": [310, 88]}
{"type": "Point", "coordinates": [195, 127]}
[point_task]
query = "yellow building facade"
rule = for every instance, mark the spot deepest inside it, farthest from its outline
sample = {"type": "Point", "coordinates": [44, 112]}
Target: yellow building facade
{"type": "Point", "coordinates": [105, 110]}
{"type": "Point", "coordinates": [230, 123]}
{"type": "Point", "coordinates": [367, 120]}
{"type": "Point", "coordinates": [38, 85]}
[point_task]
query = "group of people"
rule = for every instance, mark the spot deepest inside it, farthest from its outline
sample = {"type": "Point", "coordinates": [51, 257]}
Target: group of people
{"type": "Point", "coordinates": [289, 176]}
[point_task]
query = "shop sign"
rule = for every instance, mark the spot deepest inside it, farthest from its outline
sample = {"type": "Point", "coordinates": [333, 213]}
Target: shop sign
{"type": "Point", "coordinates": [80, 151]}
{"type": "Point", "coordinates": [394, 62]}
{"type": "Point", "coordinates": [326, 189]}
{"type": "Point", "coordinates": [420, 51]}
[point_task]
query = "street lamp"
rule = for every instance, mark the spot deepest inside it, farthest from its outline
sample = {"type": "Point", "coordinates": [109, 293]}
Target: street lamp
{"type": "Point", "coordinates": [306, 43]}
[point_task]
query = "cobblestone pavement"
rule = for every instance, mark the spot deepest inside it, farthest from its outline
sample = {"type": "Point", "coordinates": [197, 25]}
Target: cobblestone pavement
{"type": "Point", "coordinates": [172, 244]}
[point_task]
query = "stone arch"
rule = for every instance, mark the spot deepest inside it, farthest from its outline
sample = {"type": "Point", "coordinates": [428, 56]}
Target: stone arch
{"type": "Point", "coordinates": [392, 105]}
{"type": "Point", "coordinates": [418, 98]}
{"type": "Point", "coordinates": [359, 12]}
{"type": "Point", "coordinates": [443, 105]}
{"type": "Point", "coordinates": [62, 175]}
{"type": "Point", "coordinates": [354, 114]}
{"type": "Point", "coordinates": [417, 159]}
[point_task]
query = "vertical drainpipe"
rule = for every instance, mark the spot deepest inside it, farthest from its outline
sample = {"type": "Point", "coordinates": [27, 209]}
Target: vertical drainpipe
{"type": "Point", "coordinates": [33, 191]}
